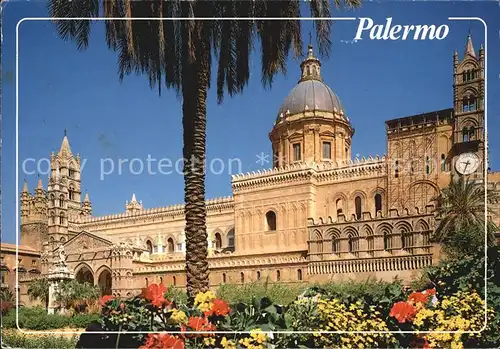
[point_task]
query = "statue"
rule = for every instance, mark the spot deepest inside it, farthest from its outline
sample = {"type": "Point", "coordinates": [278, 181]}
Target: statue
{"type": "Point", "coordinates": [62, 254]}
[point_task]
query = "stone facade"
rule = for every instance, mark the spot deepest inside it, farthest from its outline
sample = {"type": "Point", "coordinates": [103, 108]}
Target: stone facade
{"type": "Point", "coordinates": [318, 215]}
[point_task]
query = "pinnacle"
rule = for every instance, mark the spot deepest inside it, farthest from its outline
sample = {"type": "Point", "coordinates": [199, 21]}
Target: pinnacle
{"type": "Point", "coordinates": [469, 48]}
{"type": "Point", "coordinates": [25, 187]}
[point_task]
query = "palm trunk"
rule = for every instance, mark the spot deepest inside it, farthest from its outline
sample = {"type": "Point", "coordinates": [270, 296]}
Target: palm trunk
{"type": "Point", "coordinates": [194, 123]}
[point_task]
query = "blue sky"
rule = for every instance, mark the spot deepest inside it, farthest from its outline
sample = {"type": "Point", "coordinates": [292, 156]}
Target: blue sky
{"type": "Point", "coordinates": [60, 88]}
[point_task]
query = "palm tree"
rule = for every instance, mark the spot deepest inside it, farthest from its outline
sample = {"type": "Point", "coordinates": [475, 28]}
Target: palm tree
{"type": "Point", "coordinates": [461, 207]}
{"type": "Point", "coordinates": [179, 54]}
{"type": "Point", "coordinates": [39, 289]}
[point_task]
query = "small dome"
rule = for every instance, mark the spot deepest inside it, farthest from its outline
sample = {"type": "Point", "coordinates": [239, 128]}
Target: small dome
{"type": "Point", "coordinates": [310, 95]}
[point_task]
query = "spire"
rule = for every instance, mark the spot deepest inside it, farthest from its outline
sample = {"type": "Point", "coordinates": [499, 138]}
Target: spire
{"type": "Point", "coordinates": [40, 184]}
{"type": "Point", "coordinates": [25, 187]}
{"type": "Point", "coordinates": [86, 198]}
{"type": "Point", "coordinates": [310, 66]}
{"type": "Point", "coordinates": [469, 49]}
{"type": "Point", "coordinates": [133, 198]}
{"type": "Point", "coordinates": [65, 148]}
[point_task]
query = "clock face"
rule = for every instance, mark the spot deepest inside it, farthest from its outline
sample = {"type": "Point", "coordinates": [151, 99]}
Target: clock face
{"type": "Point", "coordinates": [467, 163]}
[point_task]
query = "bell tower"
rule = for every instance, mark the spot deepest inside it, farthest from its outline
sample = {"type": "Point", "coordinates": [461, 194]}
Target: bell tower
{"type": "Point", "coordinates": [468, 105]}
{"type": "Point", "coordinates": [64, 192]}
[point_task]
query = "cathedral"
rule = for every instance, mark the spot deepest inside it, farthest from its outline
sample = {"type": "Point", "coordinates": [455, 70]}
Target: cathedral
{"type": "Point", "coordinates": [318, 215]}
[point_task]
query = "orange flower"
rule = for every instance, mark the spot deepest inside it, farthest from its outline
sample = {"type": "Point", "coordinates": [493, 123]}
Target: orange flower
{"type": "Point", "coordinates": [105, 299]}
{"type": "Point", "coordinates": [163, 341]}
{"type": "Point", "coordinates": [403, 311]}
{"type": "Point", "coordinates": [219, 307]}
{"type": "Point", "coordinates": [154, 293]}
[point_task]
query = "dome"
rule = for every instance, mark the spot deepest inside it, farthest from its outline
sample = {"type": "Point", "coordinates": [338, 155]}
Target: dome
{"type": "Point", "coordinates": [310, 95]}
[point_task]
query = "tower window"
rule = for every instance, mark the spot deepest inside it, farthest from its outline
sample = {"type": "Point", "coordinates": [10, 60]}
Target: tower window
{"type": "Point", "coordinates": [71, 173]}
{"type": "Point", "coordinates": [427, 165]}
{"type": "Point", "coordinates": [443, 163]}
{"type": "Point", "coordinates": [299, 274]}
{"type": "Point", "coordinates": [61, 201]}
{"type": "Point", "coordinates": [472, 133]}
{"type": "Point", "coordinates": [357, 205]}
{"type": "Point", "coordinates": [465, 134]}
{"type": "Point", "coordinates": [378, 203]}
{"type": "Point", "coordinates": [61, 218]}
{"type": "Point", "coordinates": [224, 277]}
{"type": "Point", "coordinates": [308, 69]}
{"type": "Point", "coordinates": [396, 169]}
{"type": "Point", "coordinates": [469, 104]}
{"type": "Point", "coordinates": [71, 192]}
{"type": "Point", "coordinates": [271, 221]}
{"type": "Point", "coordinates": [327, 150]}
{"type": "Point", "coordinates": [296, 152]}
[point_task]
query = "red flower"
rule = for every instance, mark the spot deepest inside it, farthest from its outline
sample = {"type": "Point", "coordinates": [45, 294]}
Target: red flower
{"type": "Point", "coordinates": [200, 324]}
{"type": "Point", "coordinates": [403, 312]}
{"type": "Point", "coordinates": [219, 307]}
{"type": "Point", "coordinates": [105, 299]}
{"type": "Point", "coordinates": [418, 297]}
{"type": "Point", "coordinates": [154, 293]}
{"type": "Point", "coordinates": [163, 341]}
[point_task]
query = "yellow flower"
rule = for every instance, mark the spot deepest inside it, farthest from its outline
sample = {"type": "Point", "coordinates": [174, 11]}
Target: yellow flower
{"type": "Point", "coordinates": [227, 344]}
{"type": "Point", "coordinates": [178, 316]}
{"type": "Point", "coordinates": [209, 341]}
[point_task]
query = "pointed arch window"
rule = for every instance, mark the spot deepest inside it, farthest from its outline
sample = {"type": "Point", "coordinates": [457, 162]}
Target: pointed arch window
{"type": "Point", "coordinates": [472, 133]}
{"type": "Point", "coordinates": [335, 245]}
{"type": "Point", "coordinates": [174, 280]}
{"type": "Point", "coordinates": [469, 103]}
{"type": "Point", "coordinates": [299, 274]}
{"type": "Point", "coordinates": [170, 245]}
{"type": "Point", "coordinates": [224, 278]}
{"type": "Point", "coordinates": [258, 275]}
{"type": "Point", "coordinates": [378, 203]}
{"type": "Point", "coordinates": [61, 218]}
{"type": "Point", "coordinates": [271, 220]}
{"type": "Point", "coordinates": [387, 241]}
{"type": "Point", "coordinates": [52, 200]}
{"type": "Point", "coordinates": [218, 241]}
{"type": "Point", "coordinates": [149, 246]}
{"type": "Point", "coordinates": [61, 201]}
{"type": "Point", "coordinates": [230, 238]}
{"type": "Point", "coordinates": [71, 192]}
{"type": "Point", "coordinates": [357, 205]}
{"type": "Point", "coordinates": [339, 205]}
{"type": "Point", "coordinates": [278, 275]}
{"type": "Point", "coordinates": [242, 278]}
{"type": "Point", "coordinates": [465, 134]}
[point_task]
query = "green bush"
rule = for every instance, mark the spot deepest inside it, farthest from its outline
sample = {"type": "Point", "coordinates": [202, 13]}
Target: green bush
{"type": "Point", "coordinates": [177, 295]}
{"type": "Point", "coordinates": [15, 339]}
{"type": "Point", "coordinates": [278, 293]}
{"type": "Point", "coordinates": [37, 319]}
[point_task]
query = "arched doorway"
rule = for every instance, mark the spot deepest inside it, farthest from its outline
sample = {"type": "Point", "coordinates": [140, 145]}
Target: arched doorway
{"type": "Point", "coordinates": [104, 282]}
{"type": "Point", "coordinates": [84, 274]}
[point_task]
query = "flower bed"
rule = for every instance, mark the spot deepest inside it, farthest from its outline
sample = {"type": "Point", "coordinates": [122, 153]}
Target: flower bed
{"type": "Point", "coordinates": [251, 325]}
